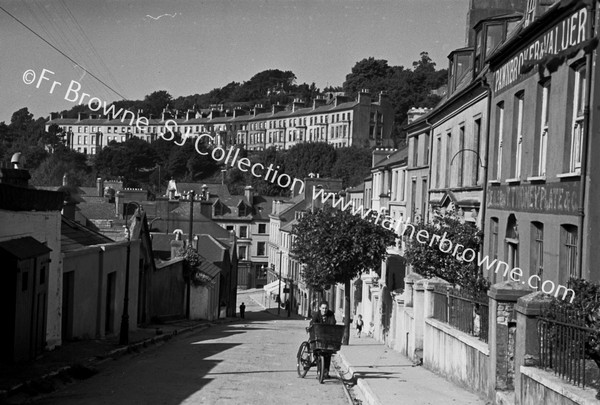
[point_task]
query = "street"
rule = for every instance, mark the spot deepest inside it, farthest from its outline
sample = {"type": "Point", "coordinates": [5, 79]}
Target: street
{"type": "Point", "coordinates": [249, 361]}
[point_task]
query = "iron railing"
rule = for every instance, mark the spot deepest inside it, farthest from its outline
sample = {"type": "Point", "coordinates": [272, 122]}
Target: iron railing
{"type": "Point", "coordinates": [565, 343]}
{"type": "Point", "coordinates": [467, 312]}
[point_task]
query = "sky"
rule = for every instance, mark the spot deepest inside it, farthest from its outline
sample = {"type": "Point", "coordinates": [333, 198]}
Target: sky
{"type": "Point", "coordinates": [193, 46]}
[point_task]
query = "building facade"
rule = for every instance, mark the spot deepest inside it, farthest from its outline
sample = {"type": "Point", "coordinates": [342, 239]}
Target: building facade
{"type": "Point", "coordinates": [542, 80]}
{"type": "Point", "coordinates": [366, 121]}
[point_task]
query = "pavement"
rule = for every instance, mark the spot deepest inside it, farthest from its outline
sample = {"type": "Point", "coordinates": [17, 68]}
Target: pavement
{"type": "Point", "coordinates": [384, 376]}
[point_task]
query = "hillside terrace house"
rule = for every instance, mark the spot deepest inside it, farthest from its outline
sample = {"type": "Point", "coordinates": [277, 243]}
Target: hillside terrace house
{"type": "Point", "coordinates": [341, 122]}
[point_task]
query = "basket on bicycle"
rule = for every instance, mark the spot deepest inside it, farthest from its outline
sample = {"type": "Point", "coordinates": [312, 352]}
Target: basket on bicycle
{"type": "Point", "coordinates": [326, 337]}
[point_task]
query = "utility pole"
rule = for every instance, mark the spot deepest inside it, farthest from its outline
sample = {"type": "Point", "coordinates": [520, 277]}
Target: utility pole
{"type": "Point", "coordinates": [124, 332]}
{"type": "Point", "coordinates": [190, 242]}
{"type": "Point", "coordinates": [279, 303]}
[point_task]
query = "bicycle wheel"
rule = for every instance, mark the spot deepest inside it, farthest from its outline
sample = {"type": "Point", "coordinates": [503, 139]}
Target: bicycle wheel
{"type": "Point", "coordinates": [304, 359]}
{"type": "Point", "coordinates": [321, 369]}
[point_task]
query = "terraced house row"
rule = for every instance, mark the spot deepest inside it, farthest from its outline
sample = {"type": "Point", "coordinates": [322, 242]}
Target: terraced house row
{"type": "Point", "coordinates": [340, 121]}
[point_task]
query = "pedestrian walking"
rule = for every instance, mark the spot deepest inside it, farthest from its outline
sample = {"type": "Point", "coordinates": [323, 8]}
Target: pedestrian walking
{"type": "Point", "coordinates": [242, 310]}
{"type": "Point", "coordinates": [359, 326]}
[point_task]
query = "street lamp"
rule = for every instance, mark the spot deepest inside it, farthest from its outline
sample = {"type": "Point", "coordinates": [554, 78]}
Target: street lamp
{"type": "Point", "coordinates": [124, 332]}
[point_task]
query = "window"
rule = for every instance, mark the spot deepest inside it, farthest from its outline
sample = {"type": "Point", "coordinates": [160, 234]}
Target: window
{"type": "Point", "coordinates": [537, 248]}
{"type": "Point", "coordinates": [579, 92]}
{"type": "Point", "coordinates": [493, 251]}
{"type": "Point", "coordinates": [262, 228]}
{"type": "Point", "coordinates": [461, 152]}
{"type": "Point", "coordinates": [512, 242]}
{"type": "Point", "coordinates": [542, 141]}
{"type": "Point", "coordinates": [517, 147]}
{"type": "Point", "coordinates": [260, 248]}
{"type": "Point", "coordinates": [243, 231]}
{"type": "Point", "coordinates": [476, 146]}
{"type": "Point", "coordinates": [402, 194]}
{"type": "Point", "coordinates": [229, 227]}
{"type": "Point", "coordinates": [424, 195]}
{"type": "Point", "coordinates": [448, 158]}
{"type": "Point", "coordinates": [438, 161]}
{"type": "Point", "coordinates": [494, 37]}
{"type": "Point", "coordinates": [416, 151]}
{"type": "Point", "coordinates": [242, 253]}
{"type": "Point", "coordinates": [494, 238]}
{"type": "Point", "coordinates": [426, 153]}
{"type": "Point", "coordinates": [413, 197]}
{"type": "Point", "coordinates": [568, 252]}
{"type": "Point", "coordinates": [499, 136]}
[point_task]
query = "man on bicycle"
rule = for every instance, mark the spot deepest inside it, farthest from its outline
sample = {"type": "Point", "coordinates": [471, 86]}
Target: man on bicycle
{"type": "Point", "coordinates": [324, 315]}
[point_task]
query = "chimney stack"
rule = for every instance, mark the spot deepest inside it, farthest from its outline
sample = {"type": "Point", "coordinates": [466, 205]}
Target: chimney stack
{"type": "Point", "coordinates": [364, 97]}
{"type": "Point", "coordinates": [249, 194]}
{"type": "Point", "coordinates": [176, 245]}
{"type": "Point", "coordinates": [100, 187]}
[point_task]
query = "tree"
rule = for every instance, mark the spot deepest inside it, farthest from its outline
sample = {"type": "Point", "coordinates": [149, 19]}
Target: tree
{"type": "Point", "coordinates": [371, 73]}
{"type": "Point", "coordinates": [429, 260]}
{"type": "Point", "coordinates": [336, 246]}
{"type": "Point", "coordinates": [131, 159]}
{"type": "Point", "coordinates": [312, 157]}
{"type": "Point", "coordinates": [352, 165]}
{"type": "Point", "coordinates": [155, 102]}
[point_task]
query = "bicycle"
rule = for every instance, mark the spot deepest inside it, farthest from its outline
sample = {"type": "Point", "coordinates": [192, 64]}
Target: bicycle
{"type": "Point", "coordinates": [323, 339]}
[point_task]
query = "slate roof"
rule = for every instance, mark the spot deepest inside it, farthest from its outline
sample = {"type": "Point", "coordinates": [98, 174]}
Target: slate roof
{"type": "Point", "coordinates": [98, 210]}
{"type": "Point", "coordinates": [209, 269]}
{"type": "Point", "coordinates": [24, 248]}
{"type": "Point", "coordinates": [75, 236]}
{"type": "Point", "coordinates": [400, 156]}
{"type": "Point", "coordinates": [211, 248]}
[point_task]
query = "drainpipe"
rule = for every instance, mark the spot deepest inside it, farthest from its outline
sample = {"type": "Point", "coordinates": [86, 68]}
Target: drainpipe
{"type": "Point", "coordinates": [584, 152]}
{"type": "Point", "coordinates": [486, 85]}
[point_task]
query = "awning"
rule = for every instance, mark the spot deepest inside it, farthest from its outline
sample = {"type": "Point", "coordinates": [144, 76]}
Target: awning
{"type": "Point", "coordinates": [273, 288]}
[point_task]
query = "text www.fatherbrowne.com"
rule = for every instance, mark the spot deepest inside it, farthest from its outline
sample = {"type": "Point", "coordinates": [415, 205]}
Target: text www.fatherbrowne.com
{"type": "Point", "coordinates": [445, 245]}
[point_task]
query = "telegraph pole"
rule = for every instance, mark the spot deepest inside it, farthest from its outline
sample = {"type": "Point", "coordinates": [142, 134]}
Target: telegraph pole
{"type": "Point", "coordinates": [190, 241]}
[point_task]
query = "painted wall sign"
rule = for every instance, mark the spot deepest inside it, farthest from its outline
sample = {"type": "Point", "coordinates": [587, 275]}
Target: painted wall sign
{"type": "Point", "coordinates": [552, 198]}
{"type": "Point", "coordinates": [566, 34]}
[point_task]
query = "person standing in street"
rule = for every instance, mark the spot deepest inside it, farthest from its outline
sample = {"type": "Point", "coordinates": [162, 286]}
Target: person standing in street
{"type": "Point", "coordinates": [242, 310]}
{"type": "Point", "coordinates": [324, 315]}
{"type": "Point", "coordinates": [359, 326]}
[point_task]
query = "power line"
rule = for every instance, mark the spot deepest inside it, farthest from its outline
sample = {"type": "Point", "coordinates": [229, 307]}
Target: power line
{"type": "Point", "coordinates": [92, 47]}
{"type": "Point", "coordinates": [63, 54]}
